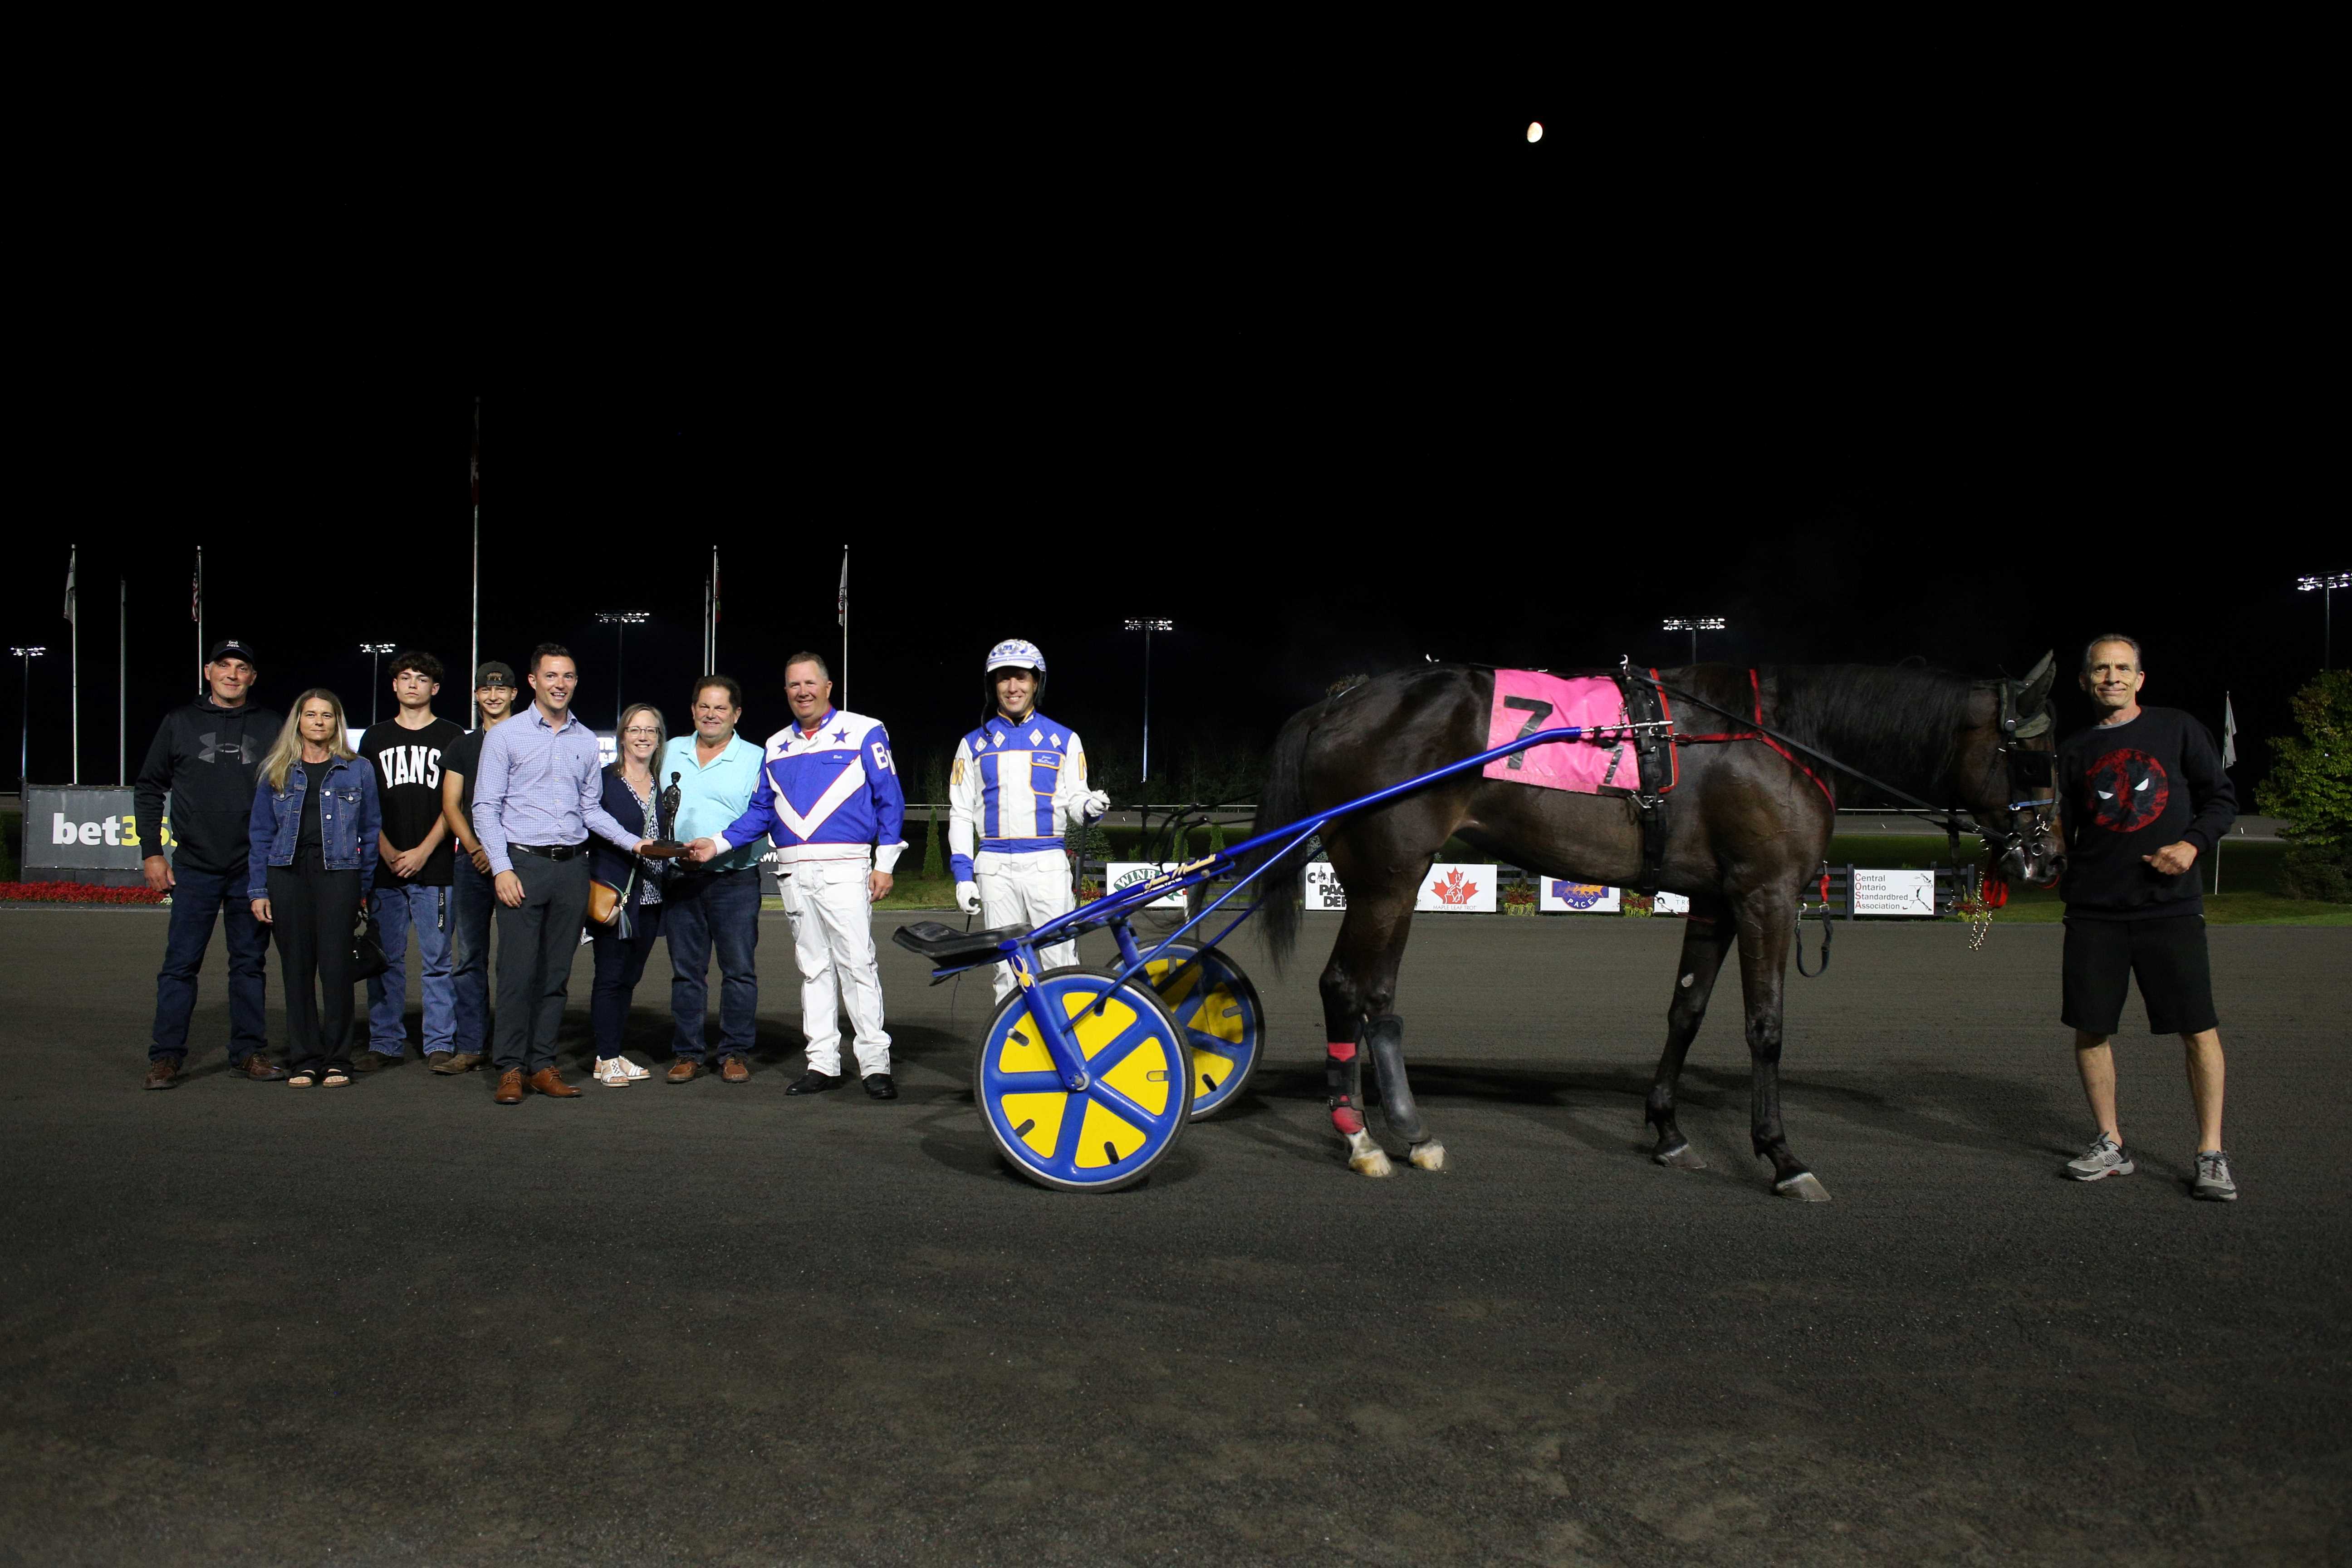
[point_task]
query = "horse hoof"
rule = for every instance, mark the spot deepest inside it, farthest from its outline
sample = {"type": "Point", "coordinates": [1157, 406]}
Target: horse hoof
{"type": "Point", "coordinates": [1804, 1184]}
{"type": "Point", "coordinates": [1680, 1157]}
{"type": "Point", "coordinates": [1367, 1158]}
{"type": "Point", "coordinates": [1429, 1156]}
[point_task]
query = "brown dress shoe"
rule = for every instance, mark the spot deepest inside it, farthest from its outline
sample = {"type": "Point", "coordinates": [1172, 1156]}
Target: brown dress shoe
{"type": "Point", "coordinates": [260, 1069]}
{"type": "Point", "coordinates": [161, 1073]}
{"type": "Point", "coordinates": [510, 1086]}
{"type": "Point", "coordinates": [734, 1069]}
{"type": "Point", "coordinates": [546, 1082]}
{"type": "Point", "coordinates": [684, 1070]}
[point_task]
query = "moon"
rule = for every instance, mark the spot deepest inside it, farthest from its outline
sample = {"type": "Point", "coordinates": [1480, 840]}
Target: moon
{"type": "Point", "coordinates": [1535, 129]}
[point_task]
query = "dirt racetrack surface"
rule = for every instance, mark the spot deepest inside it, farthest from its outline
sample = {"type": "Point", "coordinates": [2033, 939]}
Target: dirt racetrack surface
{"type": "Point", "coordinates": [394, 1324]}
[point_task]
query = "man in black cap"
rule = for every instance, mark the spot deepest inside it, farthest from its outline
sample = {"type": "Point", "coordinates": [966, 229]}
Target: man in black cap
{"type": "Point", "coordinates": [204, 762]}
{"type": "Point", "coordinates": [471, 898]}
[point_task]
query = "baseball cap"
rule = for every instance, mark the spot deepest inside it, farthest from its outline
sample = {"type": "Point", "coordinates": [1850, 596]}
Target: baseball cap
{"type": "Point", "coordinates": [230, 647]}
{"type": "Point", "coordinates": [494, 673]}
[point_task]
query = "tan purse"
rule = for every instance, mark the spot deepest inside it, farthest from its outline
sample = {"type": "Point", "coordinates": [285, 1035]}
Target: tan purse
{"type": "Point", "coordinates": [605, 901]}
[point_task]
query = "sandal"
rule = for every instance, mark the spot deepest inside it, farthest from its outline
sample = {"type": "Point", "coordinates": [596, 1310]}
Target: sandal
{"type": "Point", "coordinates": [303, 1079]}
{"type": "Point", "coordinates": [336, 1078]}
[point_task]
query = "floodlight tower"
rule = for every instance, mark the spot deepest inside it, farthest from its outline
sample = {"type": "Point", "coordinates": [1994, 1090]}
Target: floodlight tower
{"type": "Point", "coordinates": [25, 737]}
{"type": "Point", "coordinates": [620, 621]}
{"type": "Point", "coordinates": [1693, 624]}
{"type": "Point", "coordinates": [1147, 626]}
{"type": "Point", "coordinates": [2325, 587]}
{"type": "Point", "coordinates": [375, 652]}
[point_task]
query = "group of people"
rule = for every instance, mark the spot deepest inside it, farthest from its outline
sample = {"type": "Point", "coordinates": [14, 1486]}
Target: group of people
{"type": "Point", "coordinates": [283, 829]}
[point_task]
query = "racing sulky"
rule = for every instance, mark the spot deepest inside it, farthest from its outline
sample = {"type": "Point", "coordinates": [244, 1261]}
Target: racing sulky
{"type": "Point", "coordinates": [1732, 806]}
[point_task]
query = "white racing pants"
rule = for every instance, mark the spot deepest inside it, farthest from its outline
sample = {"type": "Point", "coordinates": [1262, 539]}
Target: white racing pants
{"type": "Point", "coordinates": [1033, 887]}
{"type": "Point", "coordinates": [833, 940]}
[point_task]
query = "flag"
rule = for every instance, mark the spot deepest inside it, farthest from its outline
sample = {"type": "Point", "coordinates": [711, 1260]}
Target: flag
{"type": "Point", "coordinates": [72, 556]}
{"type": "Point", "coordinates": [841, 600]}
{"type": "Point", "coordinates": [196, 591]}
{"type": "Point", "coordinates": [2228, 734]}
{"type": "Point", "coordinates": [714, 587]}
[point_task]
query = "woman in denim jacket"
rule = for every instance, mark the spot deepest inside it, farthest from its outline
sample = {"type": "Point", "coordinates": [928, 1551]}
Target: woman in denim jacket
{"type": "Point", "coordinates": [315, 820]}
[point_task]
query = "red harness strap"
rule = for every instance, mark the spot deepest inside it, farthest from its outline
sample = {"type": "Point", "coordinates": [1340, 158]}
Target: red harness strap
{"type": "Point", "coordinates": [1756, 693]}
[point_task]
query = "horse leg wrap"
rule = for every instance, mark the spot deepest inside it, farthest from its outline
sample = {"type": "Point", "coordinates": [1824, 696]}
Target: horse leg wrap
{"type": "Point", "coordinates": [1384, 1039]}
{"type": "Point", "coordinates": [1343, 1073]}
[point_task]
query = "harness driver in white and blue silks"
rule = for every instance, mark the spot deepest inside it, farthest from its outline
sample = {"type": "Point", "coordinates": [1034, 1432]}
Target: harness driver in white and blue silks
{"type": "Point", "coordinates": [1018, 780]}
{"type": "Point", "coordinates": [829, 800]}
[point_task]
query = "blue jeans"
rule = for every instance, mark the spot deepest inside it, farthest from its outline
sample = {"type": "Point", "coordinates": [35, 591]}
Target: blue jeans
{"type": "Point", "coordinates": [472, 897]}
{"type": "Point", "coordinates": [198, 898]}
{"type": "Point", "coordinates": [396, 910]}
{"type": "Point", "coordinates": [700, 912]}
{"type": "Point", "coordinates": [620, 964]}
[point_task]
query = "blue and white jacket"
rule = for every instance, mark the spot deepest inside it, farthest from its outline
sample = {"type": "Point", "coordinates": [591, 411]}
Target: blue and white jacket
{"type": "Point", "coordinates": [1016, 784]}
{"type": "Point", "coordinates": [832, 794]}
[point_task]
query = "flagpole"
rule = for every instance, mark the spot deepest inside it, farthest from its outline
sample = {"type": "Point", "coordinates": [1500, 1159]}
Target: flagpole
{"type": "Point", "coordinates": [200, 618]}
{"type": "Point", "coordinates": [2229, 759]}
{"type": "Point", "coordinates": [123, 683]}
{"type": "Point", "coordinates": [73, 656]}
{"type": "Point", "coordinates": [474, 652]}
{"type": "Point", "coordinates": [844, 625]}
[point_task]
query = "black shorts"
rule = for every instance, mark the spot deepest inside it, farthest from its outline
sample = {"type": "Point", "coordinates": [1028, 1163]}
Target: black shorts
{"type": "Point", "coordinates": [2167, 956]}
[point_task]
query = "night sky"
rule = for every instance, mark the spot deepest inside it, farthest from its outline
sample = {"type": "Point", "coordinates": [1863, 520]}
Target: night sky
{"type": "Point", "coordinates": [1332, 390]}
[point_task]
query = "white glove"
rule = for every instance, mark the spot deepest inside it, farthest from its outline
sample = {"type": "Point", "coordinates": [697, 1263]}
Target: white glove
{"type": "Point", "coordinates": [968, 896]}
{"type": "Point", "coordinates": [1094, 804]}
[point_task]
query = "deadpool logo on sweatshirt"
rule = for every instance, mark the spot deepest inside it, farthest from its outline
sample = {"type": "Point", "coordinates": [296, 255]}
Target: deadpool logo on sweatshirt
{"type": "Point", "coordinates": [2128, 790]}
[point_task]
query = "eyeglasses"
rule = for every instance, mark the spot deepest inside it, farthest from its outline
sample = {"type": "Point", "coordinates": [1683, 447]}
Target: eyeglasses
{"type": "Point", "coordinates": [635, 732]}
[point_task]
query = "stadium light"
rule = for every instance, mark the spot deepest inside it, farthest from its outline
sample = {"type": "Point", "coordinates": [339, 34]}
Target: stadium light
{"type": "Point", "coordinates": [375, 652]}
{"type": "Point", "coordinates": [2326, 588]}
{"type": "Point", "coordinates": [1693, 624]}
{"type": "Point", "coordinates": [25, 737]}
{"type": "Point", "coordinates": [1147, 625]}
{"type": "Point", "coordinates": [621, 621]}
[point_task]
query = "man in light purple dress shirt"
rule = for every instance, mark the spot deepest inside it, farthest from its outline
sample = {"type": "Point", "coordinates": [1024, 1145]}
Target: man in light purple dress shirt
{"type": "Point", "coordinates": [536, 797]}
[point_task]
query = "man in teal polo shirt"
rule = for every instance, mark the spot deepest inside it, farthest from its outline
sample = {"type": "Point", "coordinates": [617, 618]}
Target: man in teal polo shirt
{"type": "Point", "coordinates": [714, 905]}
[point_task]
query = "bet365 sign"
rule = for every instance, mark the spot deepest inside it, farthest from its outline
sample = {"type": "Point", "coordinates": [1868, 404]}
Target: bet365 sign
{"type": "Point", "coordinates": [74, 827]}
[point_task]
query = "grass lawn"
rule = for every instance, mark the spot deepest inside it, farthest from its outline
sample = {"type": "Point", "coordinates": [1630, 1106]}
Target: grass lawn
{"type": "Point", "coordinates": [906, 893]}
{"type": "Point", "coordinates": [2250, 894]}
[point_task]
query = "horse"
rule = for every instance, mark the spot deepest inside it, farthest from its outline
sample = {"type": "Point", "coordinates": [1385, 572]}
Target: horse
{"type": "Point", "coordinates": [1745, 831]}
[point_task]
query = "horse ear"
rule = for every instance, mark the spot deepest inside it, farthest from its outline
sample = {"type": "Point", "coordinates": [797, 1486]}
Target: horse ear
{"type": "Point", "coordinates": [2037, 725]}
{"type": "Point", "coordinates": [2033, 694]}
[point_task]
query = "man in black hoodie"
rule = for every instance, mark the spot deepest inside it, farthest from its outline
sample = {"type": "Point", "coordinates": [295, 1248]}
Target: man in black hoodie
{"type": "Point", "coordinates": [205, 759]}
{"type": "Point", "coordinates": [2143, 797]}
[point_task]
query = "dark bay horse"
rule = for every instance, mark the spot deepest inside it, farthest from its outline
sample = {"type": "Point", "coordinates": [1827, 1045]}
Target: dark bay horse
{"type": "Point", "coordinates": [1747, 829]}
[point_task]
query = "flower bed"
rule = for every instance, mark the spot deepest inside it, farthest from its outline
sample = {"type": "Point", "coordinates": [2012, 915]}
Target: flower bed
{"type": "Point", "coordinates": [75, 893]}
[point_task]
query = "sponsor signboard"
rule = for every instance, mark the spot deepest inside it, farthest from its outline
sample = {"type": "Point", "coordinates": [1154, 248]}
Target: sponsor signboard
{"type": "Point", "coordinates": [84, 833]}
{"type": "Point", "coordinates": [1452, 887]}
{"type": "Point", "coordinates": [1323, 889]}
{"type": "Point", "coordinates": [1555, 897]}
{"type": "Point", "coordinates": [1669, 904]}
{"type": "Point", "coordinates": [1877, 892]}
{"type": "Point", "coordinates": [1121, 874]}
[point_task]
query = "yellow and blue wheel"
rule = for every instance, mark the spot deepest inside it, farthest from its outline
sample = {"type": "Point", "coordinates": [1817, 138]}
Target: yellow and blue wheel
{"type": "Point", "coordinates": [1111, 1133]}
{"type": "Point", "coordinates": [1223, 1020]}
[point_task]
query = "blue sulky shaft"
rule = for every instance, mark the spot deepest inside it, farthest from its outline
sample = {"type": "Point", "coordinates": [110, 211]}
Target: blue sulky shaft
{"type": "Point", "coordinates": [1126, 901]}
{"type": "Point", "coordinates": [1021, 951]}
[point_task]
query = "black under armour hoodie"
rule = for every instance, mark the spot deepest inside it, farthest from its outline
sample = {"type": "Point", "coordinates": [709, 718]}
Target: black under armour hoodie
{"type": "Point", "coordinates": [205, 759]}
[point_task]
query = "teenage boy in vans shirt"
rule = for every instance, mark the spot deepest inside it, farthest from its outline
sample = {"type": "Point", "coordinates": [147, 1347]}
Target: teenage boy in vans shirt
{"type": "Point", "coordinates": [412, 875]}
{"type": "Point", "coordinates": [471, 899]}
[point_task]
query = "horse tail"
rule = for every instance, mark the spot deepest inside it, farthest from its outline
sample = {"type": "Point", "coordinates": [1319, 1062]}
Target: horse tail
{"type": "Point", "coordinates": [1282, 800]}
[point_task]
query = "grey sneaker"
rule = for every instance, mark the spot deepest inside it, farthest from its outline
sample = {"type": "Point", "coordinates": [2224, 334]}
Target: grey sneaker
{"type": "Point", "coordinates": [2104, 1158]}
{"type": "Point", "coordinates": [2213, 1177]}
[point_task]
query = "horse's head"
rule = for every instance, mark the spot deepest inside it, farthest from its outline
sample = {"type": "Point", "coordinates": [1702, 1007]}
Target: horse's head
{"type": "Point", "coordinates": [2002, 777]}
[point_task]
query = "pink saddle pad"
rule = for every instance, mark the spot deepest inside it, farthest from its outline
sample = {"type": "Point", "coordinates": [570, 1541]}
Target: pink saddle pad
{"type": "Point", "coordinates": [1527, 700]}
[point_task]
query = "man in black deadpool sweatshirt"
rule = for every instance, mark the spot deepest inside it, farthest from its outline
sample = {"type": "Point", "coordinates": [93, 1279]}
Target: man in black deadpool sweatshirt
{"type": "Point", "coordinates": [2143, 799]}
{"type": "Point", "coordinates": [204, 761]}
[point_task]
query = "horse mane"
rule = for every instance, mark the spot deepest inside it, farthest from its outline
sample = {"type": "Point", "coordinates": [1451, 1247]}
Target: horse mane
{"type": "Point", "coordinates": [1899, 723]}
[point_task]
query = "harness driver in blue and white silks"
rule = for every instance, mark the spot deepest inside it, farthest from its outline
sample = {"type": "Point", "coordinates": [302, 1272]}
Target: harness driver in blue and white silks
{"type": "Point", "coordinates": [1018, 780]}
{"type": "Point", "coordinates": [829, 800]}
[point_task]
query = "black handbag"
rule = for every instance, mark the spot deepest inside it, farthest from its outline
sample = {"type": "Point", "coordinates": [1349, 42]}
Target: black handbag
{"type": "Point", "coordinates": [367, 953]}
